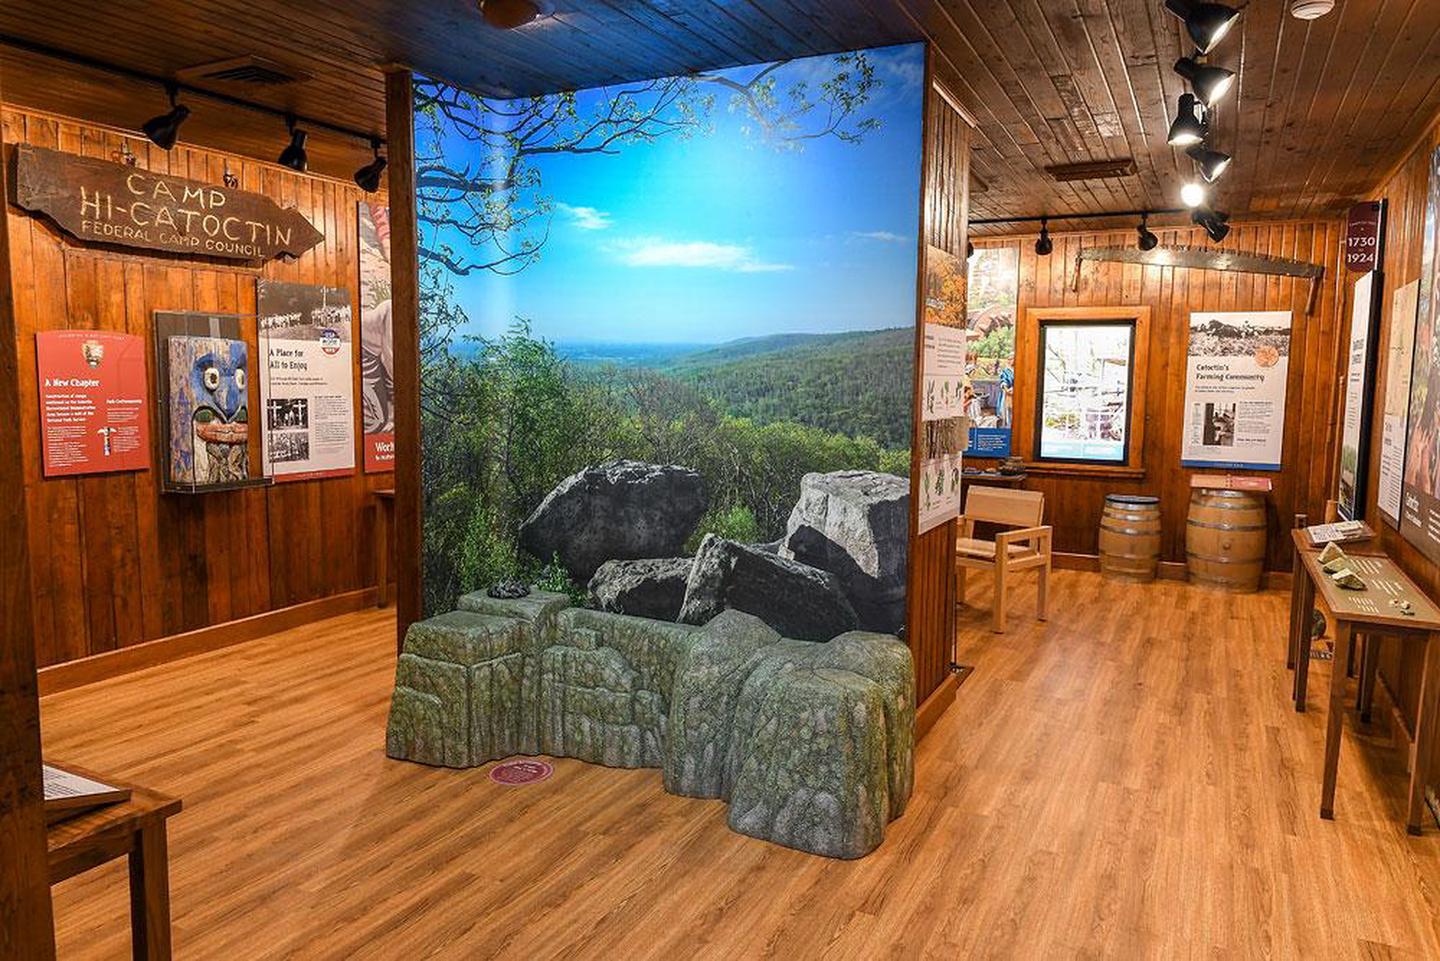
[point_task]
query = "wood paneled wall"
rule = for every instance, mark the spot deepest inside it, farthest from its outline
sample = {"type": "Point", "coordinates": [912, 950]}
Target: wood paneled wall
{"type": "Point", "coordinates": [26, 927]}
{"type": "Point", "coordinates": [1405, 190]}
{"type": "Point", "coordinates": [114, 561]}
{"type": "Point", "coordinates": [931, 588]}
{"type": "Point", "coordinates": [1074, 497]}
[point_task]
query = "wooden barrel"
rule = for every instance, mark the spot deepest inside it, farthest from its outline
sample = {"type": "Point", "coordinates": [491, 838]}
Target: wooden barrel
{"type": "Point", "coordinates": [1130, 537]}
{"type": "Point", "coordinates": [1225, 539]}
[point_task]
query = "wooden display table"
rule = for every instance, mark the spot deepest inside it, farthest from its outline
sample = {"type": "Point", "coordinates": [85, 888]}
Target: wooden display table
{"type": "Point", "coordinates": [135, 829]}
{"type": "Point", "coordinates": [1366, 612]}
{"type": "Point", "coordinates": [1231, 482]}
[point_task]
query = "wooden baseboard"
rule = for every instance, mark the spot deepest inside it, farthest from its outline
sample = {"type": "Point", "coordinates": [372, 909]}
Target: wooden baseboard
{"type": "Point", "coordinates": [1167, 571]}
{"type": "Point", "coordinates": [1172, 571]}
{"type": "Point", "coordinates": [1061, 561]}
{"type": "Point", "coordinates": [100, 667]}
{"type": "Point", "coordinates": [935, 705]}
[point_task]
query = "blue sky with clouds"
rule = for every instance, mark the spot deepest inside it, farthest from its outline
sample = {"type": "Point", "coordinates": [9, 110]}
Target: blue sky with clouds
{"type": "Point", "coordinates": [722, 236]}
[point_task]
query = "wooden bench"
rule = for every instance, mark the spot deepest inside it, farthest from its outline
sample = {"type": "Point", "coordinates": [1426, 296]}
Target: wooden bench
{"type": "Point", "coordinates": [1023, 545]}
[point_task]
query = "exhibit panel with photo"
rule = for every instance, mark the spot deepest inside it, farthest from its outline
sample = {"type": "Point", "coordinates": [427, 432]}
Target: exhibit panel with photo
{"type": "Point", "coordinates": [992, 298]}
{"type": "Point", "coordinates": [946, 395]}
{"type": "Point", "coordinates": [1355, 437]}
{"type": "Point", "coordinates": [1084, 397]}
{"type": "Point", "coordinates": [1237, 367]}
{"type": "Point", "coordinates": [1400, 358]}
{"type": "Point", "coordinates": [307, 381]}
{"type": "Point", "coordinates": [661, 374]}
{"type": "Point", "coordinates": [377, 346]}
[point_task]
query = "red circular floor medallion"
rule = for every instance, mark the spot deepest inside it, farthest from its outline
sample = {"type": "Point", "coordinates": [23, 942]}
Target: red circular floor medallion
{"type": "Point", "coordinates": [520, 772]}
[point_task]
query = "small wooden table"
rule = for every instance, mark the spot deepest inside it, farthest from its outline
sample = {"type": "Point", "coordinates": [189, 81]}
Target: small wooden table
{"type": "Point", "coordinates": [1367, 612]}
{"type": "Point", "coordinates": [384, 523]}
{"type": "Point", "coordinates": [133, 828]}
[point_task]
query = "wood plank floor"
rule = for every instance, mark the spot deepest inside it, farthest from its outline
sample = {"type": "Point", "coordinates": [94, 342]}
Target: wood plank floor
{"type": "Point", "coordinates": [1128, 781]}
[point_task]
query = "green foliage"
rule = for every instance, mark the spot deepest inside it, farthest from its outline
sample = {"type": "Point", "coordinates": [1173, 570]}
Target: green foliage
{"type": "Point", "coordinates": [1000, 342]}
{"type": "Point", "coordinates": [852, 383]}
{"type": "Point", "coordinates": [736, 523]}
{"type": "Point", "coordinates": [505, 424]}
{"type": "Point", "coordinates": [554, 578]}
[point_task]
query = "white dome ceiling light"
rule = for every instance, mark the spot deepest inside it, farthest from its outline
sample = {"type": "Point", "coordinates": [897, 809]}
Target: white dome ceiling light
{"type": "Point", "coordinates": [1310, 9]}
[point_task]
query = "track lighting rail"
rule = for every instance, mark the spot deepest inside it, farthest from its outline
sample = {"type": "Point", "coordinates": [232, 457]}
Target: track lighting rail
{"type": "Point", "coordinates": [166, 84]}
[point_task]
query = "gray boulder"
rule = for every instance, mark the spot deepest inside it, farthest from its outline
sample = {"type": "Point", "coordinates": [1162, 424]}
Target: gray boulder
{"type": "Point", "coordinates": [654, 587]}
{"type": "Point", "coordinates": [702, 707]}
{"type": "Point", "coordinates": [856, 525]}
{"type": "Point", "coordinates": [821, 751]}
{"type": "Point", "coordinates": [795, 599]}
{"type": "Point", "coordinates": [618, 510]}
{"type": "Point", "coordinates": [812, 744]}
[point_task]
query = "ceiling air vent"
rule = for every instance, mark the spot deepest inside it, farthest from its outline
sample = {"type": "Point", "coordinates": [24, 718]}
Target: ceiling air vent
{"type": "Point", "coordinates": [1093, 170]}
{"type": "Point", "coordinates": [250, 71]}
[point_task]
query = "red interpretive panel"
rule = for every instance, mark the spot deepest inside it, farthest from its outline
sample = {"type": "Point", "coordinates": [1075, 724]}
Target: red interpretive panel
{"type": "Point", "coordinates": [94, 416]}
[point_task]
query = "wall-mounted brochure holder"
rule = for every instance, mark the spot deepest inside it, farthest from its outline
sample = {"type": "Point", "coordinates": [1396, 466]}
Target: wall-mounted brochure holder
{"type": "Point", "coordinates": [205, 393]}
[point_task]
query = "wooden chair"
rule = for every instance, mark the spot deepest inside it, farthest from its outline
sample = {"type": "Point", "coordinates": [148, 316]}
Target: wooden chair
{"type": "Point", "coordinates": [1023, 546]}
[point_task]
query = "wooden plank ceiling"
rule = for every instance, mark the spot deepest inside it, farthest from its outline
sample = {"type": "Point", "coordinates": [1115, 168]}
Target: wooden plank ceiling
{"type": "Point", "coordinates": [1319, 108]}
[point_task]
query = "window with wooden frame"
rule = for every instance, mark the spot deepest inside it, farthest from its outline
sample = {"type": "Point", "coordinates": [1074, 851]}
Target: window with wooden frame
{"type": "Point", "coordinates": [1083, 369]}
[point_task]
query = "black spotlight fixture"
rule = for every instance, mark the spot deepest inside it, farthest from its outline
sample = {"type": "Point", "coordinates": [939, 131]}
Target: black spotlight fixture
{"type": "Point", "coordinates": [1043, 244]}
{"type": "Point", "coordinates": [1213, 221]}
{"type": "Point", "coordinates": [367, 178]}
{"type": "Point", "coordinates": [969, 249]}
{"type": "Point", "coordinates": [1147, 239]}
{"type": "Point", "coordinates": [294, 156]}
{"type": "Point", "coordinates": [1207, 23]}
{"type": "Point", "coordinates": [1212, 163]}
{"type": "Point", "coordinates": [164, 130]}
{"type": "Point", "coordinates": [1188, 128]}
{"type": "Point", "coordinates": [1210, 83]}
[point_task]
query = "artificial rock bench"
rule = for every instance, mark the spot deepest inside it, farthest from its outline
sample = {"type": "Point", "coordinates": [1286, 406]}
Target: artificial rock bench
{"type": "Point", "coordinates": [810, 743]}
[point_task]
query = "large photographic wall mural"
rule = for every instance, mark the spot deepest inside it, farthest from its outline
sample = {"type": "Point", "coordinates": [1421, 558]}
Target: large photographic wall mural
{"type": "Point", "coordinates": [668, 341]}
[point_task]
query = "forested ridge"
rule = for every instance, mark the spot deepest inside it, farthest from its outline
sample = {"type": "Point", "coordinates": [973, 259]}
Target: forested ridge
{"type": "Point", "coordinates": [852, 383]}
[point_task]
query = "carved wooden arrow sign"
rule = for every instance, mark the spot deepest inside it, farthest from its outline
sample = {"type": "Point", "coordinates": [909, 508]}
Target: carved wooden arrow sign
{"type": "Point", "coordinates": [114, 203]}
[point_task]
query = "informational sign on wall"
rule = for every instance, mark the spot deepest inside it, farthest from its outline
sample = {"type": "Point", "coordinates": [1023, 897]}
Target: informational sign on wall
{"type": "Point", "coordinates": [946, 393]}
{"type": "Point", "coordinates": [940, 471]}
{"type": "Point", "coordinates": [1355, 436]}
{"type": "Point", "coordinates": [1236, 371]}
{"type": "Point", "coordinates": [93, 413]}
{"type": "Point", "coordinates": [308, 386]}
{"type": "Point", "coordinates": [1398, 361]}
{"type": "Point", "coordinates": [114, 203]}
{"type": "Point", "coordinates": [944, 388]}
{"type": "Point", "coordinates": [377, 352]}
{"type": "Point", "coordinates": [992, 296]}
{"type": "Point", "coordinates": [1420, 502]}
{"type": "Point", "coordinates": [1364, 232]}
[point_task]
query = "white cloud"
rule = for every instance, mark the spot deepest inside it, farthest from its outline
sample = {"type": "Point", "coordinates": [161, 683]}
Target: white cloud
{"type": "Point", "coordinates": [586, 218]}
{"type": "Point", "coordinates": [885, 236]}
{"type": "Point", "coordinates": [695, 254]}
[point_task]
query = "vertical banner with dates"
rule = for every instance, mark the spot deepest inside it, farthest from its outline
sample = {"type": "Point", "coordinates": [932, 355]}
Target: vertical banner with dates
{"type": "Point", "coordinates": [1364, 230]}
{"type": "Point", "coordinates": [93, 414]}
